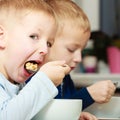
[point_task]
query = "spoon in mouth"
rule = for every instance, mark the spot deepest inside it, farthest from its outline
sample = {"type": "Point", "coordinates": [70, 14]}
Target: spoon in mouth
{"type": "Point", "coordinates": [31, 67]}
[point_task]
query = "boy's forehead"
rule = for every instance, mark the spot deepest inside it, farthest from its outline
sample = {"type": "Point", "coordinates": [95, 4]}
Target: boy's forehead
{"type": "Point", "coordinates": [73, 34]}
{"type": "Point", "coordinates": [72, 24]}
{"type": "Point", "coordinates": [72, 29]}
{"type": "Point", "coordinates": [17, 6]}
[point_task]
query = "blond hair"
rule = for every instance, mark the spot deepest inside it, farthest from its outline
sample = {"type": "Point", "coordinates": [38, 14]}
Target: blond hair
{"type": "Point", "coordinates": [17, 6]}
{"type": "Point", "coordinates": [69, 10]}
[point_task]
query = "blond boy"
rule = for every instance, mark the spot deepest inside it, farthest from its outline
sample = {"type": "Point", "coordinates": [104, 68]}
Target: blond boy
{"type": "Point", "coordinates": [71, 38]}
{"type": "Point", "coordinates": [27, 29]}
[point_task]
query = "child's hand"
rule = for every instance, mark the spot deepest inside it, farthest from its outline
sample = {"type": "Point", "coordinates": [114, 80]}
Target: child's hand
{"type": "Point", "coordinates": [56, 71]}
{"type": "Point", "coordinates": [87, 116]}
{"type": "Point", "coordinates": [102, 91]}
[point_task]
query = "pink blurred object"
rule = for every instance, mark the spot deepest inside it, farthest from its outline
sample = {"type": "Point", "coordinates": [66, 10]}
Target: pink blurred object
{"type": "Point", "coordinates": [113, 54]}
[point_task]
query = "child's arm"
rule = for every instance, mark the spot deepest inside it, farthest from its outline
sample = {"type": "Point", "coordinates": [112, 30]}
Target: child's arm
{"type": "Point", "coordinates": [34, 96]}
{"type": "Point", "coordinates": [37, 93]}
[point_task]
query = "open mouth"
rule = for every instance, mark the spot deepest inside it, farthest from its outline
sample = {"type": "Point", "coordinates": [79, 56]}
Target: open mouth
{"type": "Point", "coordinates": [31, 67]}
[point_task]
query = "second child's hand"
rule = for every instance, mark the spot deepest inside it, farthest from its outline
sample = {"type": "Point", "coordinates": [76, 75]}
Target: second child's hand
{"type": "Point", "coordinates": [102, 91]}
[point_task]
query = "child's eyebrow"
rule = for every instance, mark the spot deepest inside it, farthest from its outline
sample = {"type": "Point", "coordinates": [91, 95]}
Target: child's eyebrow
{"type": "Point", "coordinates": [39, 30]}
{"type": "Point", "coordinates": [52, 38]}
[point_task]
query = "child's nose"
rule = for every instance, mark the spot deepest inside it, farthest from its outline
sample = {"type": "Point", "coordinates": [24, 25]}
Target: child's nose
{"type": "Point", "coordinates": [78, 59]}
{"type": "Point", "coordinates": [43, 50]}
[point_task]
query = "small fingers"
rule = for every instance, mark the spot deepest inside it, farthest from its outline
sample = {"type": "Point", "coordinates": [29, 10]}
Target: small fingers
{"type": "Point", "coordinates": [108, 98]}
{"type": "Point", "coordinates": [95, 118]}
{"type": "Point", "coordinates": [87, 116]}
{"type": "Point", "coordinates": [67, 68]}
{"type": "Point", "coordinates": [112, 88]}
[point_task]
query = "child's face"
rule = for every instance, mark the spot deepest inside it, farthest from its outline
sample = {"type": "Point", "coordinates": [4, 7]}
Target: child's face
{"type": "Point", "coordinates": [69, 45]}
{"type": "Point", "coordinates": [28, 39]}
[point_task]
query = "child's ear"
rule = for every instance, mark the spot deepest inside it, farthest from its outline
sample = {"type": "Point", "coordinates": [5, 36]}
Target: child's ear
{"type": "Point", "coordinates": [2, 37]}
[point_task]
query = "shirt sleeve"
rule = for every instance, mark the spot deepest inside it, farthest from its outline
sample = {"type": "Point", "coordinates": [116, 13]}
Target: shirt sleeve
{"type": "Point", "coordinates": [85, 96]}
{"type": "Point", "coordinates": [30, 100]}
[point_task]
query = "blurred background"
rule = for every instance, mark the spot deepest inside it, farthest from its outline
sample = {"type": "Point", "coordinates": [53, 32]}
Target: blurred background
{"type": "Point", "coordinates": [102, 53]}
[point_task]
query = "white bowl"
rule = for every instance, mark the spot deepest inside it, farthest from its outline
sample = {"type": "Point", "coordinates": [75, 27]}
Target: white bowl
{"type": "Point", "coordinates": [60, 109]}
{"type": "Point", "coordinates": [109, 111]}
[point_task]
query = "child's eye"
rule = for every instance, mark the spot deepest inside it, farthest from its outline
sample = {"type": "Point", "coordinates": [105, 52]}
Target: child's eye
{"type": "Point", "coordinates": [34, 37]}
{"type": "Point", "coordinates": [70, 50]}
{"type": "Point", "coordinates": [49, 44]}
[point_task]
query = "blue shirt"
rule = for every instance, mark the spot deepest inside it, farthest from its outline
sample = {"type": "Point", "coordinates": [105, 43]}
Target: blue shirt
{"type": "Point", "coordinates": [67, 90]}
